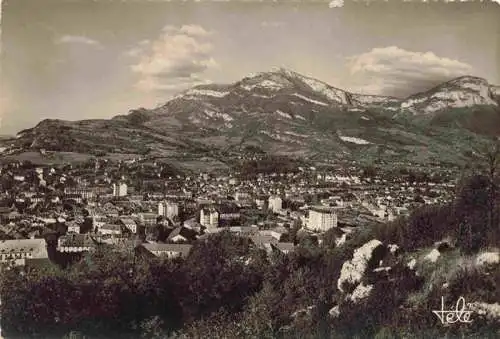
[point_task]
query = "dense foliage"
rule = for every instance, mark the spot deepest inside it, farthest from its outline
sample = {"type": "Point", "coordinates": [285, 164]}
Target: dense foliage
{"type": "Point", "coordinates": [267, 165]}
{"type": "Point", "coordinates": [471, 219]}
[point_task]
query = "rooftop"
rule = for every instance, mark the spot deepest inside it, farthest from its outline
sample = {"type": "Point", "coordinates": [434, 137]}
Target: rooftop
{"type": "Point", "coordinates": [37, 247]}
{"type": "Point", "coordinates": [159, 247]}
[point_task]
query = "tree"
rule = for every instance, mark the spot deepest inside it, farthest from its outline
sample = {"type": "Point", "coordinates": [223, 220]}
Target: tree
{"type": "Point", "coordinates": [296, 226]}
{"type": "Point", "coordinates": [87, 225]}
{"type": "Point", "coordinates": [330, 237]}
{"type": "Point", "coordinates": [472, 210]}
{"type": "Point", "coordinates": [369, 171]}
{"type": "Point", "coordinates": [492, 157]}
{"type": "Point", "coordinates": [260, 317]}
{"type": "Point", "coordinates": [490, 165]}
{"type": "Point", "coordinates": [219, 273]}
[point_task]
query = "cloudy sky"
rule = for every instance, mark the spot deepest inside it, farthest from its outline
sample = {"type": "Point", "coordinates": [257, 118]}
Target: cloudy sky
{"type": "Point", "coordinates": [79, 59]}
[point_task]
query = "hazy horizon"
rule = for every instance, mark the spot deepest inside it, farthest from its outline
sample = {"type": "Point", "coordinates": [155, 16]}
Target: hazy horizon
{"type": "Point", "coordinates": [80, 60]}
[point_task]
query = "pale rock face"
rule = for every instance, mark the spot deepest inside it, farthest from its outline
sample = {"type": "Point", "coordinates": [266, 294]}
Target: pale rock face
{"type": "Point", "coordinates": [334, 312]}
{"type": "Point", "coordinates": [382, 269]}
{"type": "Point", "coordinates": [265, 84]}
{"type": "Point", "coordinates": [355, 140]}
{"type": "Point", "coordinates": [361, 292]}
{"type": "Point", "coordinates": [262, 96]}
{"type": "Point", "coordinates": [206, 92]}
{"type": "Point", "coordinates": [372, 99]}
{"type": "Point", "coordinates": [459, 93]}
{"type": "Point", "coordinates": [433, 255]}
{"type": "Point", "coordinates": [271, 81]}
{"type": "Point", "coordinates": [316, 102]}
{"type": "Point", "coordinates": [411, 265]}
{"type": "Point", "coordinates": [488, 258]}
{"type": "Point", "coordinates": [393, 248]}
{"type": "Point", "coordinates": [226, 117]}
{"type": "Point", "coordinates": [284, 115]}
{"type": "Point", "coordinates": [331, 93]}
{"type": "Point", "coordinates": [353, 270]}
{"type": "Point", "coordinates": [490, 311]}
{"type": "Point", "coordinates": [217, 115]}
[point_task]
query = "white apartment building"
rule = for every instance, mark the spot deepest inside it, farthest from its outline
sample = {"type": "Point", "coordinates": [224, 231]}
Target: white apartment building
{"type": "Point", "coordinates": [209, 217]}
{"type": "Point", "coordinates": [17, 251]}
{"type": "Point", "coordinates": [241, 196]}
{"type": "Point", "coordinates": [120, 190]}
{"type": "Point", "coordinates": [321, 218]}
{"type": "Point", "coordinates": [275, 204]}
{"type": "Point", "coordinates": [168, 209]}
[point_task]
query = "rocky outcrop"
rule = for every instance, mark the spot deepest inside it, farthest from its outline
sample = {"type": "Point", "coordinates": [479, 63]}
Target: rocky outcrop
{"type": "Point", "coordinates": [433, 255]}
{"type": "Point", "coordinates": [364, 258]}
{"type": "Point", "coordinates": [361, 292]}
{"type": "Point", "coordinates": [488, 258]}
{"type": "Point", "coordinates": [412, 263]}
{"type": "Point", "coordinates": [485, 310]}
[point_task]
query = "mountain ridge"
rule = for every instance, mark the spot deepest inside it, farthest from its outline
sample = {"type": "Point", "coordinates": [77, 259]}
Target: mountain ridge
{"type": "Point", "coordinates": [284, 112]}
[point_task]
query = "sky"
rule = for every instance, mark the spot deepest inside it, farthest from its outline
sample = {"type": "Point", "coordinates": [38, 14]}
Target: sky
{"type": "Point", "coordinates": [81, 59]}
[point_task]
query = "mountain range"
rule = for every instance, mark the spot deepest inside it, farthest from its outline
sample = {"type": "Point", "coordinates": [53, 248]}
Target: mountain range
{"type": "Point", "coordinates": [286, 113]}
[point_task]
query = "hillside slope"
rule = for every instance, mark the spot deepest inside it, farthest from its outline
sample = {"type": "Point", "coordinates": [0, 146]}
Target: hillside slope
{"type": "Point", "coordinates": [283, 112]}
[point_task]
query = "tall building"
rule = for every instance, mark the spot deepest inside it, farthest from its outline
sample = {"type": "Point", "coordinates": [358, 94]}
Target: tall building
{"type": "Point", "coordinates": [162, 208]}
{"type": "Point", "coordinates": [120, 189]}
{"type": "Point", "coordinates": [275, 204]}
{"type": "Point", "coordinates": [321, 218]}
{"type": "Point", "coordinates": [209, 217]}
{"type": "Point", "coordinates": [241, 196]}
{"type": "Point", "coordinates": [168, 209]}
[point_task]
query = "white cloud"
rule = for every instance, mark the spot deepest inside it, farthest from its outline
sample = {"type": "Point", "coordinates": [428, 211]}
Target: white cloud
{"type": "Point", "coordinates": [175, 61]}
{"type": "Point", "coordinates": [77, 39]}
{"type": "Point", "coordinates": [190, 30]}
{"type": "Point", "coordinates": [134, 52]}
{"type": "Point", "coordinates": [151, 84]}
{"type": "Point", "coordinates": [336, 3]}
{"type": "Point", "coordinates": [398, 72]}
{"type": "Point", "coordinates": [272, 24]}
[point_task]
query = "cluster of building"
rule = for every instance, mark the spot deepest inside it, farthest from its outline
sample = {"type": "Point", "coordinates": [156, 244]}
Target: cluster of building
{"type": "Point", "coordinates": [138, 205]}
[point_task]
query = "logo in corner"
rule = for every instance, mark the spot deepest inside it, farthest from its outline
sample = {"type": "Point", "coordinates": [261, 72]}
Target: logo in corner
{"type": "Point", "coordinates": [461, 314]}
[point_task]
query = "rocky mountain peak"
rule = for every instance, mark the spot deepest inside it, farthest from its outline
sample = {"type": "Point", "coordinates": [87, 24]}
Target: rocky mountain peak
{"type": "Point", "coordinates": [276, 79]}
{"type": "Point", "coordinates": [468, 79]}
{"type": "Point", "coordinates": [462, 92]}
